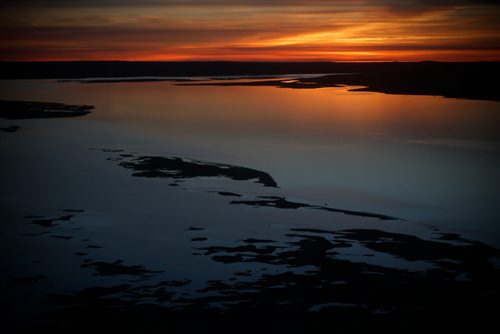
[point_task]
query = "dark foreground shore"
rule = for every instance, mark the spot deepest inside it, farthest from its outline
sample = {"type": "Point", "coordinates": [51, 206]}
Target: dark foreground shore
{"type": "Point", "coordinates": [320, 292]}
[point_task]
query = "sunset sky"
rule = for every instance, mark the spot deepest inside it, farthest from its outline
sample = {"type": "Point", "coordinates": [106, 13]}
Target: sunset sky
{"type": "Point", "coordinates": [250, 30]}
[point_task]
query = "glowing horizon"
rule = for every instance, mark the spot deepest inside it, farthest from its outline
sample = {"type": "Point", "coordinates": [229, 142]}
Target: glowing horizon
{"type": "Point", "coordinates": [244, 30]}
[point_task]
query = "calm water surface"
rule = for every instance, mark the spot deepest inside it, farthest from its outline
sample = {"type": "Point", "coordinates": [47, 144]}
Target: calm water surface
{"type": "Point", "coordinates": [429, 160]}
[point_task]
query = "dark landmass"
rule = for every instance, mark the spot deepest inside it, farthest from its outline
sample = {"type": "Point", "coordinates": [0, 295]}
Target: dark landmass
{"type": "Point", "coordinates": [282, 203]}
{"type": "Point", "coordinates": [117, 268]}
{"type": "Point", "coordinates": [228, 194]}
{"type": "Point", "coordinates": [11, 128]}
{"type": "Point", "coordinates": [466, 256]}
{"type": "Point", "coordinates": [450, 84]}
{"type": "Point", "coordinates": [462, 83]}
{"type": "Point", "coordinates": [50, 222]}
{"type": "Point", "coordinates": [287, 83]}
{"type": "Point", "coordinates": [459, 80]}
{"type": "Point", "coordinates": [89, 81]}
{"type": "Point", "coordinates": [315, 293]}
{"type": "Point", "coordinates": [311, 280]}
{"type": "Point", "coordinates": [178, 168]}
{"type": "Point", "coordinates": [175, 283]}
{"type": "Point", "coordinates": [450, 237]}
{"type": "Point", "coordinates": [34, 234]}
{"type": "Point", "coordinates": [109, 150]}
{"type": "Point", "coordinates": [28, 279]}
{"type": "Point", "coordinates": [64, 237]}
{"type": "Point", "coordinates": [193, 228]}
{"type": "Point", "coordinates": [26, 110]}
{"type": "Point", "coordinates": [220, 69]}
{"type": "Point", "coordinates": [256, 77]}
{"type": "Point", "coordinates": [126, 69]}
{"type": "Point", "coordinates": [257, 241]}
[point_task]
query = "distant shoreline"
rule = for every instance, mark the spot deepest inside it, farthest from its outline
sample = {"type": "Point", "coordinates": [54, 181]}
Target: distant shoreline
{"type": "Point", "coordinates": [454, 80]}
{"type": "Point", "coordinates": [106, 69]}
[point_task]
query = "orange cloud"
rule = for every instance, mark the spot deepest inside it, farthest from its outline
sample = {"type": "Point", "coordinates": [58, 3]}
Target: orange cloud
{"type": "Point", "coordinates": [258, 30]}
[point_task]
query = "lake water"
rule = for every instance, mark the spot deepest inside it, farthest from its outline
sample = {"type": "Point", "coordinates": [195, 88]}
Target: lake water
{"type": "Point", "coordinates": [426, 159]}
{"type": "Point", "coordinates": [73, 218]}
